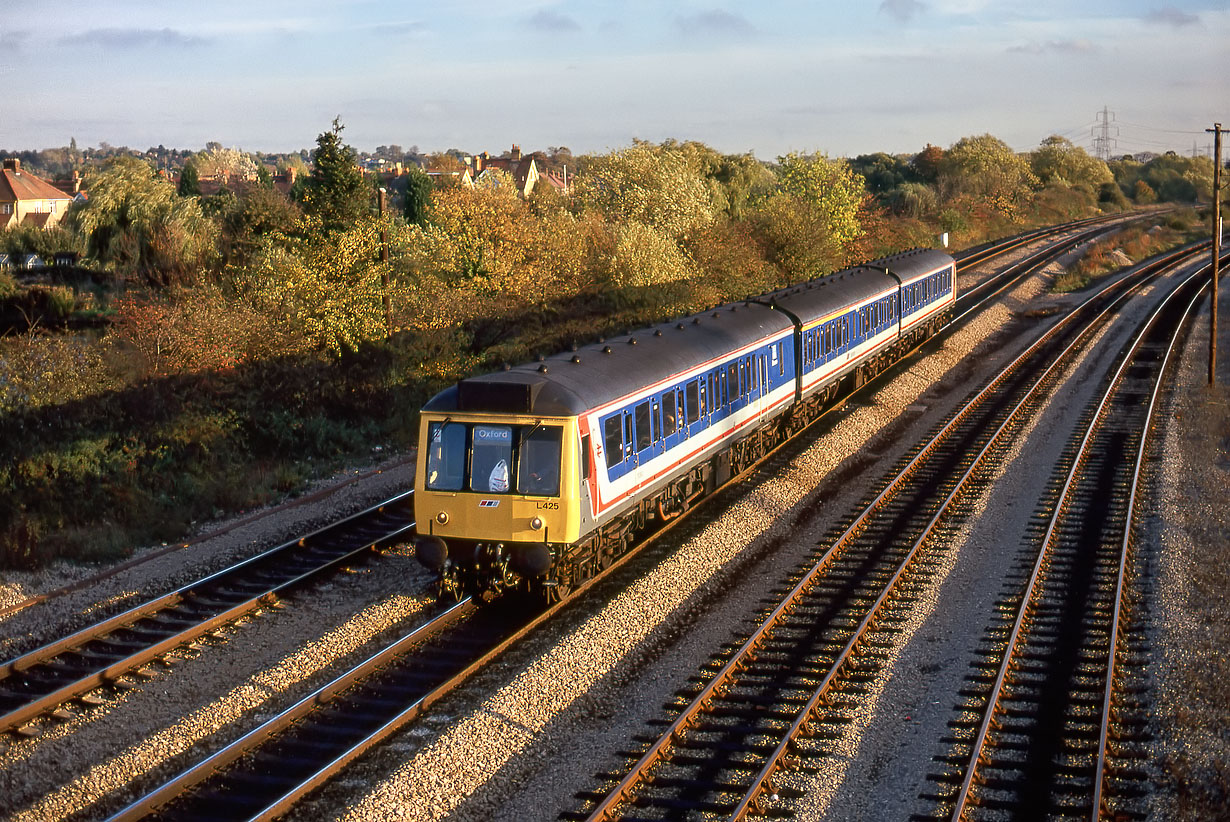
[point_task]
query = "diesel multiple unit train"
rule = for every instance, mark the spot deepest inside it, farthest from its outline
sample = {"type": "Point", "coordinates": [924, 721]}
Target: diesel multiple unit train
{"type": "Point", "coordinates": [538, 476]}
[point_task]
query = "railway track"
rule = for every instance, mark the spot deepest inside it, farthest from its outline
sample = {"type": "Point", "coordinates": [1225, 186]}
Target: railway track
{"type": "Point", "coordinates": [767, 702]}
{"type": "Point", "coordinates": [63, 676]}
{"type": "Point", "coordinates": [1056, 729]}
{"type": "Point", "coordinates": [205, 779]}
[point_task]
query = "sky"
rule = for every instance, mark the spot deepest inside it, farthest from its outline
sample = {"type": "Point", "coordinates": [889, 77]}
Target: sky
{"type": "Point", "coordinates": [770, 77]}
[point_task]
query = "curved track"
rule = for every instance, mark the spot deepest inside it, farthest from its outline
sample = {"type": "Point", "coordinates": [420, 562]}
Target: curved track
{"type": "Point", "coordinates": [379, 712]}
{"type": "Point", "coordinates": [748, 718]}
{"type": "Point", "coordinates": [1057, 712]}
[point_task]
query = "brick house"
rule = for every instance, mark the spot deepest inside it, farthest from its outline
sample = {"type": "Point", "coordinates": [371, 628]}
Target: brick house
{"type": "Point", "coordinates": [28, 200]}
{"type": "Point", "coordinates": [523, 170]}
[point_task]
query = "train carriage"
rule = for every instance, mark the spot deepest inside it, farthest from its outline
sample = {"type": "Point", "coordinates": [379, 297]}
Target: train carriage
{"type": "Point", "coordinates": [626, 429]}
{"type": "Point", "coordinates": [538, 476]}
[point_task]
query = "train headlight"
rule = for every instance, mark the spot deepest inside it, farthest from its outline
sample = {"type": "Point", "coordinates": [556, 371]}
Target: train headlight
{"type": "Point", "coordinates": [442, 517]}
{"type": "Point", "coordinates": [536, 524]}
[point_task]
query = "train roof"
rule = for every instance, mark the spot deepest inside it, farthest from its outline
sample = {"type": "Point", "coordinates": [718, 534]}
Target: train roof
{"type": "Point", "coordinates": [817, 298]}
{"type": "Point", "coordinates": [574, 382]}
{"type": "Point", "coordinates": [909, 266]}
{"type": "Point", "coordinates": [849, 287]}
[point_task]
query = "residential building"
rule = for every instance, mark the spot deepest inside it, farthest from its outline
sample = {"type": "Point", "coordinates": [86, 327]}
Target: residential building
{"type": "Point", "coordinates": [523, 170]}
{"type": "Point", "coordinates": [28, 200]}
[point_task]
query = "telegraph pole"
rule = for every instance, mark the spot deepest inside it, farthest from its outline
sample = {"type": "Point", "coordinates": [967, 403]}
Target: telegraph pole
{"type": "Point", "coordinates": [1217, 133]}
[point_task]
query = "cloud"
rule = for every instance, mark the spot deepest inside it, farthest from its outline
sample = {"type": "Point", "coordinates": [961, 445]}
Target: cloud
{"type": "Point", "coordinates": [1170, 16]}
{"type": "Point", "coordinates": [552, 22]}
{"type": "Point", "coordinates": [1081, 46]}
{"type": "Point", "coordinates": [715, 22]}
{"type": "Point", "coordinates": [903, 10]}
{"type": "Point", "coordinates": [132, 39]}
{"type": "Point", "coordinates": [11, 40]}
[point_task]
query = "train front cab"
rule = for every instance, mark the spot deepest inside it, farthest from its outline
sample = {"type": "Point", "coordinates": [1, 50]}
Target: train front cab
{"type": "Point", "coordinates": [495, 492]}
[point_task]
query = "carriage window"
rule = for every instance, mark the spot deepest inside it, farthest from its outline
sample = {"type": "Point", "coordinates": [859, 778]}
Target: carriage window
{"type": "Point", "coordinates": [491, 459]}
{"type": "Point", "coordinates": [613, 440]}
{"type": "Point", "coordinates": [446, 456]}
{"type": "Point", "coordinates": [693, 401]}
{"type": "Point", "coordinates": [669, 419]}
{"type": "Point", "coordinates": [644, 434]}
{"type": "Point", "coordinates": [538, 459]}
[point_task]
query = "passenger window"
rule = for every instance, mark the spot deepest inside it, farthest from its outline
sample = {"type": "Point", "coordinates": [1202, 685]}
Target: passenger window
{"type": "Point", "coordinates": [670, 422]}
{"type": "Point", "coordinates": [692, 393]}
{"type": "Point", "coordinates": [644, 432]}
{"type": "Point", "coordinates": [732, 381]}
{"type": "Point", "coordinates": [613, 441]}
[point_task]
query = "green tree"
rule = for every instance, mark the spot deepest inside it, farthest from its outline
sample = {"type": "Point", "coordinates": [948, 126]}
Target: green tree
{"type": "Point", "coordinates": [189, 181]}
{"type": "Point", "coordinates": [1057, 160]}
{"type": "Point", "coordinates": [136, 222]}
{"type": "Point", "coordinates": [884, 172]}
{"type": "Point", "coordinates": [336, 193]}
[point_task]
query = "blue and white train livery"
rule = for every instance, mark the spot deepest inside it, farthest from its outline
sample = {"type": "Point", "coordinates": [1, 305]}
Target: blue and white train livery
{"type": "Point", "coordinates": [537, 476]}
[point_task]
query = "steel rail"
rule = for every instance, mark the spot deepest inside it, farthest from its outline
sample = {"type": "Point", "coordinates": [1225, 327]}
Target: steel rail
{"type": "Point", "coordinates": [16, 717]}
{"type": "Point", "coordinates": [236, 749]}
{"type": "Point", "coordinates": [763, 779]}
{"type": "Point", "coordinates": [982, 736]}
{"type": "Point", "coordinates": [252, 741]}
{"type": "Point", "coordinates": [1124, 548]}
{"type": "Point", "coordinates": [720, 681]}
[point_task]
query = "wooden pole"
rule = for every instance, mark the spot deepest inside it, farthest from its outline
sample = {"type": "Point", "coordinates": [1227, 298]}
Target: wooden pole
{"type": "Point", "coordinates": [1217, 132]}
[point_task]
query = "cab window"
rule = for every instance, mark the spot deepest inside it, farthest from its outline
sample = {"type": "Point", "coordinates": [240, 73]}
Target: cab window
{"type": "Point", "coordinates": [491, 459]}
{"type": "Point", "coordinates": [446, 456]}
{"type": "Point", "coordinates": [538, 462]}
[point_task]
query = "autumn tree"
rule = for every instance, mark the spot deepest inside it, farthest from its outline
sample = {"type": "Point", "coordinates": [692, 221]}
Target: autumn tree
{"type": "Point", "coordinates": [336, 193]}
{"type": "Point", "coordinates": [136, 222]}
{"type": "Point", "coordinates": [810, 220]}
{"type": "Point", "coordinates": [325, 287]}
{"type": "Point", "coordinates": [987, 168]}
{"type": "Point", "coordinates": [652, 185]}
{"type": "Point", "coordinates": [927, 162]}
{"type": "Point", "coordinates": [829, 187]}
{"type": "Point", "coordinates": [1060, 162]}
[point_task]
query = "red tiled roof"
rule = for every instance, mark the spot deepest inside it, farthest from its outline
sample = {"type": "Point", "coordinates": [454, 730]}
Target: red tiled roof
{"type": "Point", "coordinates": [21, 185]}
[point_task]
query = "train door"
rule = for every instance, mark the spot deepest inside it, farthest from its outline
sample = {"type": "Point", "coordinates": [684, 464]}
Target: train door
{"type": "Point", "coordinates": [643, 431]}
{"type": "Point", "coordinates": [658, 444]}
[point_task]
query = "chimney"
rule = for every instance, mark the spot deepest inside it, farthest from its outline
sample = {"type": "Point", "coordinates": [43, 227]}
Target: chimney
{"type": "Point", "coordinates": [12, 164]}
{"type": "Point", "coordinates": [516, 153]}
{"type": "Point", "coordinates": [478, 162]}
